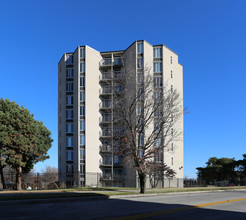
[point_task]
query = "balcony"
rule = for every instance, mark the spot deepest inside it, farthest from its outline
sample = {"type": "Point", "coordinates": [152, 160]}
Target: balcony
{"type": "Point", "coordinates": [105, 119]}
{"type": "Point", "coordinates": [105, 162]}
{"type": "Point", "coordinates": [105, 105]}
{"type": "Point", "coordinates": [118, 61]}
{"type": "Point", "coordinates": [105, 76]}
{"type": "Point", "coordinates": [106, 62]}
{"type": "Point", "coordinates": [105, 133]}
{"type": "Point", "coordinates": [108, 177]}
{"type": "Point", "coordinates": [117, 75]}
{"type": "Point", "coordinates": [106, 91]}
{"type": "Point", "coordinates": [104, 148]}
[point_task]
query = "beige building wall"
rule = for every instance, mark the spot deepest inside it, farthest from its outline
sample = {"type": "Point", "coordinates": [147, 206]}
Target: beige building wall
{"type": "Point", "coordinates": [92, 73]}
{"type": "Point", "coordinates": [173, 76]}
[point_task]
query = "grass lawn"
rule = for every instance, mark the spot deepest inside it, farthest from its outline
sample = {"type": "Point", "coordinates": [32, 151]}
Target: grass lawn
{"type": "Point", "coordinates": [103, 192]}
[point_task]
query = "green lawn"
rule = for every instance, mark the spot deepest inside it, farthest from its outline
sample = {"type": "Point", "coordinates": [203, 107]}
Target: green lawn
{"type": "Point", "coordinates": [103, 192]}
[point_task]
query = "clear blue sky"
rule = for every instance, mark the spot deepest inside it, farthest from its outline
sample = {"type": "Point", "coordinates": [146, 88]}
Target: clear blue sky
{"type": "Point", "coordinates": [209, 37]}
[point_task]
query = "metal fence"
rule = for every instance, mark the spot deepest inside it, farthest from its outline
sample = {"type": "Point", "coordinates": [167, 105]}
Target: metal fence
{"type": "Point", "coordinates": [189, 182]}
{"type": "Point", "coordinates": [51, 181]}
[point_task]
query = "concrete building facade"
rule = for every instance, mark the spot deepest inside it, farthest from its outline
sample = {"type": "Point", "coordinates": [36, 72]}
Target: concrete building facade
{"type": "Point", "coordinates": [86, 105]}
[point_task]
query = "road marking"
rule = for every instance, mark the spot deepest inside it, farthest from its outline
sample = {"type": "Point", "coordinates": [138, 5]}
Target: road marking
{"type": "Point", "coordinates": [151, 214]}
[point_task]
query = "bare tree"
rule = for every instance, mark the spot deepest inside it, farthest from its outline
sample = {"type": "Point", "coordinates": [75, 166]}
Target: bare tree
{"type": "Point", "coordinates": [50, 174]}
{"type": "Point", "coordinates": [148, 113]}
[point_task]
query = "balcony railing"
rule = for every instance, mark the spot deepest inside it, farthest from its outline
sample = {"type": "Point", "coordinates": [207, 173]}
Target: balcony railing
{"type": "Point", "coordinates": [105, 133]}
{"type": "Point", "coordinates": [109, 177]}
{"type": "Point", "coordinates": [105, 119]}
{"type": "Point", "coordinates": [109, 62]}
{"type": "Point", "coordinates": [105, 76]}
{"type": "Point", "coordinates": [105, 91]}
{"type": "Point", "coordinates": [105, 148]}
{"type": "Point", "coordinates": [108, 162]}
{"type": "Point", "coordinates": [105, 162]}
{"type": "Point", "coordinates": [105, 105]}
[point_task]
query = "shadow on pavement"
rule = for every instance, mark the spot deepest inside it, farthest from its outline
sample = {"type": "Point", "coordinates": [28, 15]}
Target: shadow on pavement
{"type": "Point", "coordinates": [116, 209]}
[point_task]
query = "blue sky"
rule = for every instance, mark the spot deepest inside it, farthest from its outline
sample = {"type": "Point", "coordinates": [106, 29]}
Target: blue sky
{"type": "Point", "coordinates": [209, 37]}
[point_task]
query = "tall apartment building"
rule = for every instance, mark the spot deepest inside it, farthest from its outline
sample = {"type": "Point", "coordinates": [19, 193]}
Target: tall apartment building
{"type": "Point", "coordinates": [85, 111]}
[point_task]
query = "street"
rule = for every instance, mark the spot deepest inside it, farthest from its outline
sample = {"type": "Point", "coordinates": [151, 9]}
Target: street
{"type": "Point", "coordinates": [205, 205]}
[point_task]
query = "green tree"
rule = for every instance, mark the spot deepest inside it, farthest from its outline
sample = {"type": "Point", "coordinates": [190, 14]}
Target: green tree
{"type": "Point", "coordinates": [218, 169]}
{"type": "Point", "coordinates": [24, 141]}
{"type": "Point", "coordinates": [242, 167]}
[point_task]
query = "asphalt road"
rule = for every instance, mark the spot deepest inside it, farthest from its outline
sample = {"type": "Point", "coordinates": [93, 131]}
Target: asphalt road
{"type": "Point", "coordinates": [209, 205]}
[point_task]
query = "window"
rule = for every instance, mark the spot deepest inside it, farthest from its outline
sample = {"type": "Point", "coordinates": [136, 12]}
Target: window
{"type": "Point", "coordinates": [69, 168]}
{"type": "Point", "coordinates": [82, 169]}
{"type": "Point", "coordinates": [69, 141]}
{"type": "Point", "coordinates": [140, 63]}
{"type": "Point", "coordinates": [140, 78]}
{"type": "Point", "coordinates": [69, 73]}
{"type": "Point", "coordinates": [140, 47]}
{"type": "Point", "coordinates": [139, 109]}
{"type": "Point", "coordinates": [82, 81]}
{"type": "Point", "coordinates": [158, 82]}
{"type": "Point", "coordinates": [171, 146]}
{"type": "Point", "coordinates": [82, 52]}
{"type": "Point", "coordinates": [157, 126]}
{"type": "Point", "coordinates": [142, 140]}
{"type": "Point", "coordinates": [159, 156]}
{"type": "Point", "coordinates": [69, 60]}
{"type": "Point", "coordinates": [158, 96]}
{"type": "Point", "coordinates": [82, 125]}
{"type": "Point", "coordinates": [171, 88]}
{"type": "Point", "coordinates": [159, 142]}
{"type": "Point", "coordinates": [172, 161]}
{"type": "Point", "coordinates": [69, 114]}
{"type": "Point", "coordinates": [141, 93]}
{"type": "Point", "coordinates": [69, 128]}
{"type": "Point", "coordinates": [82, 96]}
{"type": "Point", "coordinates": [82, 139]}
{"type": "Point", "coordinates": [171, 74]}
{"type": "Point", "coordinates": [82, 110]}
{"type": "Point", "coordinates": [158, 112]}
{"type": "Point", "coordinates": [82, 67]}
{"type": "Point", "coordinates": [157, 52]}
{"type": "Point", "coordinates": [69, 155]}
{"type": "Point", "coordinates": [82, 154]}
{"type": "Point", "coordinates": [171, 59]}
{"type": "Point", "coordinates": [172, 131]}
{"type": "Point", "coordinates": [157, 67]}
{"type": "Point", "coordinates": [141, 153]}
{"type": "Point", "coordinates": [69, 86]}
{"type": "Point", "coordinates": [69, 100]}
{"type": "Point", "coordinates": [117, 61]}
{"type": "Point", "coordinates": [116, 159]}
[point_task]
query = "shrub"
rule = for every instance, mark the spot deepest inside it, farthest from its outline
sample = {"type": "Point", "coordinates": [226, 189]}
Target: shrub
{"type": "Point", "coordinates": [52, 185]}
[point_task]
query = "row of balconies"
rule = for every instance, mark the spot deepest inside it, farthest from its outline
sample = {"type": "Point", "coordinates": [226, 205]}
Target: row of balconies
{"type": "Point", "coordinates": [108, 104]}
{"type": "Point", "coordinates": [109, 177]}
{"type": "Point", "coordinates": [108, 76]}
{"type": "Point", "coordinates": [108, 133]}
{"type": "Point", "coordinates": [107, 162]}
{"type": "Point", "coordinates": [116, 61]}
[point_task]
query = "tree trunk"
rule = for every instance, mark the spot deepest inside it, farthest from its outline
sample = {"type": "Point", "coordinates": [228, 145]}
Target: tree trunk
{"type": "Point", "coordinates": [2, 177]}
{"type": "Point", "coordinates": [142, 183]}
{"type": "Point", "coordinates": [18, 178]}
